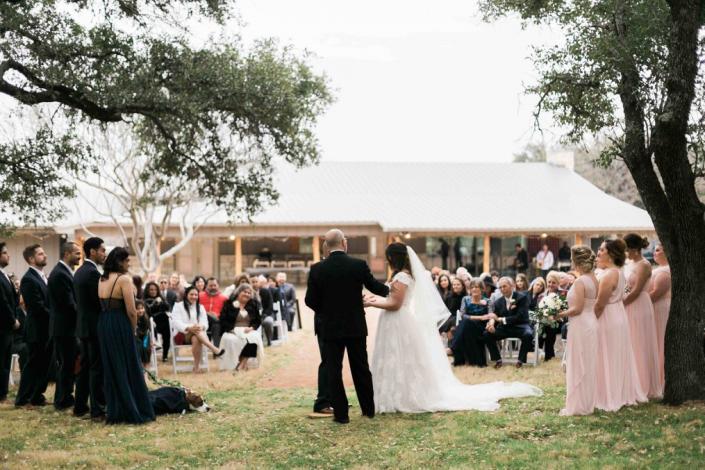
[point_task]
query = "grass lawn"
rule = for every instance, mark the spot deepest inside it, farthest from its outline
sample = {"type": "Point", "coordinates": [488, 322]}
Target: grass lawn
{"type": "Point", "coordinates": [254, 425]}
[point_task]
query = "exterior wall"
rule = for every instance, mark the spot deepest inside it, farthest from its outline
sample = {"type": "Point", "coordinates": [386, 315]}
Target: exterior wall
{"type": "Point", "coordinates": [15, 245]}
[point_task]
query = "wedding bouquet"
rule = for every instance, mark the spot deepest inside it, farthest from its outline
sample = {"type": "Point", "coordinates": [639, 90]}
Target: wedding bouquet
{"type": "Point", "coordinates": [546, 315]}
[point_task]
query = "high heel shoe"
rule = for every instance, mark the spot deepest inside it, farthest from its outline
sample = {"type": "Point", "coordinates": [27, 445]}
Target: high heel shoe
{"type": "Point", "coordinates": [219, 353]}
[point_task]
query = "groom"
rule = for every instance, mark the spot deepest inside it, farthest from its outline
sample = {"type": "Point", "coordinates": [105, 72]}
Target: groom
{"type": "Point", "coordinates": [335, 294]}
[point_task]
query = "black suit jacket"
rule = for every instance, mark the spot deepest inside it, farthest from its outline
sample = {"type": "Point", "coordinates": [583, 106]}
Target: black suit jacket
{"type": "Point", "coordinates": [9, 302]}
{"type": "Point", "coordinates": [334, 293]}
{"type": "Point", "coordinates": [36, 299]}
{"type": "Point", "coordinates": [265, 296]}
{"type": "Point", "coordinates": [85, 283]}
{"type": "Point", "coordinates": [519, 315]}
{"type": "Point", "coordinates": [62, 302]}
{"type": "Point", "coordinates": [171, 298]}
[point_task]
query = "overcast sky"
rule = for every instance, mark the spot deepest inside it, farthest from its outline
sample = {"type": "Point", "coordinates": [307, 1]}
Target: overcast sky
{"type": "Point", "coordinates": [414, 80]}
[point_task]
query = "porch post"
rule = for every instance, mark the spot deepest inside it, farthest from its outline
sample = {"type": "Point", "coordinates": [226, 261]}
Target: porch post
{"type": "Point", "coordinates": [486, 255]}
{"type": "Point", "coordinates": [238, 255]}
{"type": "Point", "coordinates": [316, 247]}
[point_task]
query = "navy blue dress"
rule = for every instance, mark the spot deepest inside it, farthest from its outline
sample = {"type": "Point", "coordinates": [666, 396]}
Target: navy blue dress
{"type": "Point", "coordinates": [126, 394]}
{"type": "Point", "coordinates": [468, 346]}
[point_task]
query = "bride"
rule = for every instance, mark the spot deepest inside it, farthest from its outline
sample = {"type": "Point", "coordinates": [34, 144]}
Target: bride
{"type": "Point", "coordinates": [410, 370]}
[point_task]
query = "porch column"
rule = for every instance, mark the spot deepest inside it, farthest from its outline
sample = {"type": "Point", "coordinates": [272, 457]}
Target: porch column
{"type": "Point", "coordinates": [316, 247]}
{"type": "Point", "coordinates": [238, 255]}
{"type": "Point", "coordinates": [486, 255]}
{"type": "Point", "coordinates": [578, 239]}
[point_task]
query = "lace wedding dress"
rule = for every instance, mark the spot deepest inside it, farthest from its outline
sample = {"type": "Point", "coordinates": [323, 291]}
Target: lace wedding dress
{"type": "Point", "coordinates": [410, 369]}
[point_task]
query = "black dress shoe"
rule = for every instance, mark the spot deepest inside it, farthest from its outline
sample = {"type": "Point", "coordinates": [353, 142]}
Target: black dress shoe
{"type": "Point", "coordinates": [80, 412]}
{"type": "Point", "coordinates": [498, 365]}
{"type": "Point", "coordinates": [38, 403]}
{"type": "Point", "coordinates": [342, 420]}
{"type": "Point", "coordinates": [519, 365]}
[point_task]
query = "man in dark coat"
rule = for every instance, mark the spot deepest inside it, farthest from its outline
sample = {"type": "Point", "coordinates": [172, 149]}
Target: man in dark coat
{"type": "Point", "coordinates": [62, 324]}
{"type": "Point", "coordinates": [335, 294]}
{"type": "Point", "coordinates": [34, 291]}
{"type": "Point", "coordinates": [9, 303]}
{"type": "Point", "coordinates": [90, 378]}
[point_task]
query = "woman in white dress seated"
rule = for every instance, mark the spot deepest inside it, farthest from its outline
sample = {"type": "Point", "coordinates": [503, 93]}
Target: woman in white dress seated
{"type": "Point", "coordinates": [190, 318]}
{"type": "Point", "coordinates": [240, 320]}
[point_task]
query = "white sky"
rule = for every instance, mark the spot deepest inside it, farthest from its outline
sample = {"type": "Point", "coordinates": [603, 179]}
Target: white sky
{"type": "Point", "coordinates": [414, 80]}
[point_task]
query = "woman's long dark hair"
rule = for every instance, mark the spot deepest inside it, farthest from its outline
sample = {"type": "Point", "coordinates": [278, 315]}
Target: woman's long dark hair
{"type": "Point", "coordinates": [195, 279]}
{"type": "Point", "coordinates": [398, 258]}
{"type": "Point", "coordinates": [187, 304]}
{"type": "Point", "coordinates": [145, 291]}
{"type": "Point", "coordinates": [112, 263]}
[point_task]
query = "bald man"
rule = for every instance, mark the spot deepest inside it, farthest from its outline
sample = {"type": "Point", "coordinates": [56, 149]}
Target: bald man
{"type": "Point", "coordinates": [335, 294]}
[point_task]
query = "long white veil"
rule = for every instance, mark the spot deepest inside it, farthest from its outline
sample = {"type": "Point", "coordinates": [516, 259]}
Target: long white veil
{"type": "Point", "coordinates": [427, 304]}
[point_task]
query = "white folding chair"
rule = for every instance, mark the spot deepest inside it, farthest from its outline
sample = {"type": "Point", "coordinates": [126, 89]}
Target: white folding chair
{"type": "Point", "coordinates": [152, 349]}
{"type": "Point", "coordinates": [184, 362]}
{"type": "Point", "coordinates": [279, 326]}
{"type": "Point", "coordinates": [260, 264]}
{"type": "Point", "coordinates": [14, 364]}
{"type": "Point", "coordinates": [278, 264]}
{"type": "Point", "coordinates": [296, 264]}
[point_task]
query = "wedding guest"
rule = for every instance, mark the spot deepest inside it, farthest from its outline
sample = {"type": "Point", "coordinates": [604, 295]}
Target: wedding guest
{"type": "Point", "coordinates": [213, 300]}
{"type": "Point", "coordinates": [239, 280]}
{"type": "Point", "coordinates": [9, 304]}
{"type": "Point", "coordinates": [288, 299]}
{"type": "Point", "coordinates": [510, 319]}
{"type": "Point", "coordinates": [521, 261]}
{"type": "Point", "coordinates": [463, 274]}
{"type": "Point", "coordinates": [544, 259]}
{"type": "Point", "coordinates": [468, 346]}
{"type": "Point", "coordinates": [522, 283]}
{"type": "Point", "coordinates": [453, 301]}
{"type": "Point", "coordinates": [126, 397]}
{"type": "Point", "coordinates": [167, 294]}
{"type": "Point", "coordinates": [89, 382]}
{"type": "Point", "coordinates": [176, 286]}
{"type": "Point", "coordinates": [495, 276]}
{"type": "Point", "coordinates": [537, 290]}
{"type": "Point", "coordinates": [660, 294]}
{"type": "Point", "coordinates": [240, 321]}
{"type": "Point", "coordinates": [617, 379]}
{"type": "Point", "coordinates": [190, 318]}
{"type": "Point", "coordinates": [489, 291]}
{"type": "Point", "coordinates": [548, 341]}
{"type": "Point", "coordinates": [640, 312]}
{"type": "Point", "coordinates": [581, 355]}
{"type": "Point", "coordinates": [435, 272]}
{"type": "Point", "coordinates": [200, 283]}
{"type": "Point", "coordinates": [63, 310]}
{"type": "Point", "coordinates": [158, 310]}
{"type": "Point", "coordinates": [19, 337]}
{"type": "Point", "coordinates": [33, 287]}
{"type": "Point", "coordinates": [443, 284]}
{"type": "Point", "coordinates": [266, 304]}
{"type": "Point", "coordinates": [564, 258]}
{"type": "Point", "coordinates": [138, 282]}
{"type": "Point", "coordinates": [142, 336]}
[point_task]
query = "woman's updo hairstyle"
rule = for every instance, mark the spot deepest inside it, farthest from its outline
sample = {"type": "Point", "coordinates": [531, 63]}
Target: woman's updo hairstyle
{"type": "Point", "coordinates": [636, 242]}
{"type": "Point", "coordinates": [617, 250]}
{"type": "Point", "coordinates": [398, 257]}
{"type": "Point", "coordinates": [583, 258]}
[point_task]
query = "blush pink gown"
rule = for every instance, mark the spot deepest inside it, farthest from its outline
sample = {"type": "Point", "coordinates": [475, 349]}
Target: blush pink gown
{"type": "Point", "coordinates": [642, 327]}
{"type": "Point", "coordinates": [661, 308]}
{"type": "Point", "coordinates": [617, 379]}
{"type": "Point", "coordinates": [581, 354]}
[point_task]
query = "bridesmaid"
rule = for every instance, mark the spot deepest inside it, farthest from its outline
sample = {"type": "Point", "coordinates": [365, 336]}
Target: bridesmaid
{"type": "Point", "coordinates": [617, 380]}
{"type": "Point", "coordinates": [640, 312]}
{"type": "Point", "coordinates": [581, 351]}
{"type": "Point", "coordinates": [125, 390]}
{"type": "Point", "coordinates": [660, 294]}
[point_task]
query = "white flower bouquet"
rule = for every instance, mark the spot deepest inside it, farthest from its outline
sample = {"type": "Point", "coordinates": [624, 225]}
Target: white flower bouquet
{"type": "Point", "coordinates": [546, 314]}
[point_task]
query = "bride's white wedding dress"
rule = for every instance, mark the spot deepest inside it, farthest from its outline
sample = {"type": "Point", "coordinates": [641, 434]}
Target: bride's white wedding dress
{"type": "Point", "coordinates": [410, 369]}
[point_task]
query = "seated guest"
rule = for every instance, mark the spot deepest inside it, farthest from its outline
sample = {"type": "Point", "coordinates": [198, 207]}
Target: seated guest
{"type": "Point", "coordinates": [266, 304]}
{"type": "Point", "coordinates": [200, 283]}
{"type": "Point", "coordinates": [158, 310]}
{"type": "Point", "coordinates": [177, 287]}
{"type": "Point", "coordinates": [510, 320]}
{"type": "Point", "coordinates": [443, 285]}
{"type": "Point", "coordinates": [167, 294]}
{"type": "Point", "coordinates": [453, 302]}
{"type": "Point", "coordinates": [548, 340]}
{"type": "Point", "coordinates": [288, 299]}
{"type": "Point", "coordinates": [144, 342]}
{"type": "Point", "coordinates": [490, 292]}
{"type": "Point", "coordinates": [190, 318]}
{"type": "Point", "coordinates": [468, 346]}
{"type": "Point", "coordinates": [138, 282]}
{"type": "Point", "coordinates": [537, 290]}
{"type": "Point", "coordinates": [239, 280]}
{"type": "Point", "coordinates": [213, 300]}
{"type": "Point", "coordinates": [239, 320]}
{"type": "Point", "coordinates": [522, 283]}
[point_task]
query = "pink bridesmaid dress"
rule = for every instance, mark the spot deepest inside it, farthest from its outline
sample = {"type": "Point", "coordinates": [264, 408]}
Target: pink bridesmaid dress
{"type": "Point", "coordinates": [617, 379]}
{"type": "Point", "coordinates": [581, 354]}
{"type": "Point", "coordinates": [642, 327]}
{"type": "Point", "coordinates": [661, 308]}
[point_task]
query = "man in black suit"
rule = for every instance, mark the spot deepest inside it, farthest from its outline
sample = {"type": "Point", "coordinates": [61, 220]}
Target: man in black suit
{"type": "Point", "coordinates": [90, 378]}
{"type": "Point", "coordinates": [34, 291]}
{"type": "Point", "coordinates": [510, 320]}
{"type": "Point", "coordinates": [62, 324]}
{"type": "Point", "coordinates": [9, 302]}
{"type": "Point", "coordinates": [335, 294]}
{"type": "Point", "coordinates": [168, 294]}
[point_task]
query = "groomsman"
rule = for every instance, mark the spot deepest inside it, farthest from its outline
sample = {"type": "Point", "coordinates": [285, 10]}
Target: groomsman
{"type": "Point", "coordinates": [34, 291]}
{"type": "Point", "coordinates": [62, 302]}
{"type": "Point", "coordinates": [8, 322]}
{"type": "Point", "coordinates": [90, 379]}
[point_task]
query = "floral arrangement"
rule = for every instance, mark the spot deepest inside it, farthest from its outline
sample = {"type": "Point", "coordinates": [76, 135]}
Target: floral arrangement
{"type": "Point", "coordinates": [546, 314]}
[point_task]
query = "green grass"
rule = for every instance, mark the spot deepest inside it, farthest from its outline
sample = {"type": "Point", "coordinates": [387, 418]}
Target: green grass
{"type": "Point", "coordinates": [253, 426]}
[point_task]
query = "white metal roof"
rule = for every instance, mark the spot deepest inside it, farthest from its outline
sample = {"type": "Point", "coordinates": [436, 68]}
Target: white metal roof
{"type": "Point", "coordinates": [447, 197]}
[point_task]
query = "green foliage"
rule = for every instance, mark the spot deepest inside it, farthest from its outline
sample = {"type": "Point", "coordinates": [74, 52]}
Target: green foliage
{"type": "Point", "coordinates": [533, 153]}
{"type": "Point", "coordinates": [219, 113]}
